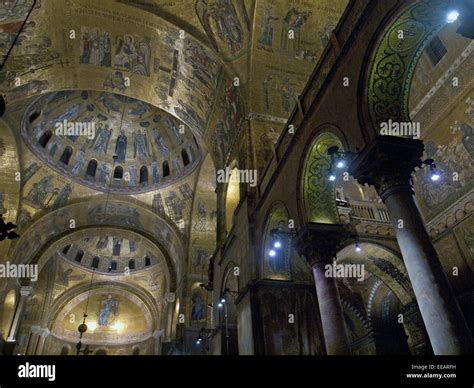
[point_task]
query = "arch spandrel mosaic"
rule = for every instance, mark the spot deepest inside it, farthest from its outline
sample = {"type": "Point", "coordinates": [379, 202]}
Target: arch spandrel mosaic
{"type": "Point", "coordinates": [174, 72]}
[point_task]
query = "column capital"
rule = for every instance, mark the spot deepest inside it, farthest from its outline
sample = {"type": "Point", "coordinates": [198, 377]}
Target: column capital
{"type": "Point", "coordinates": [35, 329]}
{"type": "Point", "coordinates": [44, 332]}
{"type": "Point", "coordinates": [319, 243]}
{"type": "Point", "coordinates": [26, 291]}
{"type": "Point", "coordinates": [388, 163]}
{"type": "Point", "coordinates": [157, 334]}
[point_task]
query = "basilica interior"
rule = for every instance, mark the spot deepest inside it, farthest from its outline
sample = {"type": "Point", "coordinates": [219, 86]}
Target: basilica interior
{"type": "Point", "coordinates": [177, 176]}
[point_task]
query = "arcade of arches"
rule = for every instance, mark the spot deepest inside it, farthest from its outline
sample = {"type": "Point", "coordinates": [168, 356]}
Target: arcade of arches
{"type": "Point", "coordinates": [131, 226]}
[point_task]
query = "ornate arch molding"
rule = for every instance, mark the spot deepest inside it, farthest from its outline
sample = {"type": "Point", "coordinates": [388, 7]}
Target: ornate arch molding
{"type": "Point", "coordinates": [71, 237]}
{"type": "Point", "coordinates": [176, 72]}
{"type": "Point", "coordinates": [56, 225]}
{"type": "Point", "coordinates": [228, 271]}
{"type": "Point", "coordinates": [393, 60]}
{"type": "Point", "coordinates": [316, 194]}
{"type": "Point", "coordinates": [82, 290]}
{"type": "Point", "coordinates": [277, 212]}
{"type": "Point", "coordinates": [388, 267]}
{"type": "Point", "coordinates": [391, 271]}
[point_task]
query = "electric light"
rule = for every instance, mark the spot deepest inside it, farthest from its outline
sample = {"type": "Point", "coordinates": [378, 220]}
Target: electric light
{"type": "Point", "coordinates": [277, 244]}
{"type": "Point", "coordinates": [341, 164]}
{"type": "Point", "coordinates": [452, 16]}
{"type": "Point", "coordinates": [223, 300]}
{"type": "Point", "coordinates": [332, 178]}
{"type": "Point", "coordinates": [272, 253]}
{"type": "Point", "coordinates": [435, 176]}
{"type": "Point", "coordinates": [220, 305]}
{"type": "Point", "coordinates": [358, 248]}
{"type": "Point", "coordinates": [119, 326]}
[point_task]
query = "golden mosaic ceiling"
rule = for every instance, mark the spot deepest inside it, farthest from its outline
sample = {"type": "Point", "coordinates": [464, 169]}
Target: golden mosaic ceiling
{"type": "Point", "coordinates": [117, 252]}
{"type": "Point", "coordinates": [78, 133]}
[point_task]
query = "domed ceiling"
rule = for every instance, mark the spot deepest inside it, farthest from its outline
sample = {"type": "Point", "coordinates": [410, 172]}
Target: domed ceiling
{"type": "Point", "coordinates": [111, 251]}
{"type": "Point", "coordinates": [113, 317]}
{"type": "Point", "coordinates": [104, 140]}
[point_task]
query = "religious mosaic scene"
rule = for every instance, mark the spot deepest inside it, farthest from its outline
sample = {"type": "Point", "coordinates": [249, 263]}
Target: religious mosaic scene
{"type": "Point", "coordinates": [236, 178]}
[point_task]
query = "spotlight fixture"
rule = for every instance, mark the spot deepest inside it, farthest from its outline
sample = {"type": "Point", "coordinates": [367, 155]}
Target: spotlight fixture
{"type": "Point", "coordinates": [277, 244]}
{"type": "Point", "coordinates": [357, 247]}
{"type": "Point", "coordinates": [223, 300]}
{"type": "Point", "coordinates": [220, 305]}
{"type": "Point", "coordinates": [452, 16]}
{"type": "Point", "coordinates": [462, 12]}
{"type": "Point", "coordinates": [272, 253]}
{"type": "Point", "coordinates": [434, 174]}
{"type": "Point", "coordinates": [339, 160]}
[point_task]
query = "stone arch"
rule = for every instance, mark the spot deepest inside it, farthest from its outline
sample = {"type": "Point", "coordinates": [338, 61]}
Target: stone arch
{"type": "Point", "coordinates": [275, 263]}
{"type": "Point", "coordinates": [387, 266]}
{"type": "Point", "coordinates": [68, 69]}
{"type": "Point", "coordinates": [82, 291]}
{"type": "Point", "coordinates": [57, 224]}
{"type": "Point", "coordinates": [359, 330]}
{"type": "Point", "coordinates": [392, 60]}
{"type": "Point", "coordinates": [382, 262]}
{"type": "Point", "coordinates": [317, 196]}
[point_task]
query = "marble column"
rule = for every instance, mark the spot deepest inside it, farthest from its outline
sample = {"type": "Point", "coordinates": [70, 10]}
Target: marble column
{"type": "Point", "coordinates": [33, 340]}
{"type": "Point", "coordinates": [388, 164]}
{"type": "Point", "coordinates": [158, 337]}
{"type": "Point", "coordinates": [319, 243]}
{"type": "Point", "coordinates": [43, 334]}
{"type": "Point", "coordinates": [25, 293]}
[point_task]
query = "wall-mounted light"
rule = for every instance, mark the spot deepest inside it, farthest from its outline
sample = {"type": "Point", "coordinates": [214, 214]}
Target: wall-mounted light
{"type": "Point", "coordinates": [434, 174]}
{"type": "Point", "coordinates": [452, 16]}
{"type": "Point", "coordinates": [462, 11]}
{"type": "Point", "coordinates": [339, 160]}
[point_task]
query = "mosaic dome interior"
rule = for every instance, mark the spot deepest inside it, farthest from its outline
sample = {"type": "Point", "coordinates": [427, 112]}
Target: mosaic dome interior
{"type": "Point", "coordinates": [78, 133]}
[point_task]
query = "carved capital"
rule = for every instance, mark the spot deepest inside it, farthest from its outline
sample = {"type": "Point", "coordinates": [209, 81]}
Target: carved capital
{"type": "Point", "coordinates": [26, 291]}
{"type": "Point", "coordinates": [319, 243]}
{"type": "Point", "coordinates": [44, 332]}
{"type": "Point", "coordinates": [388, 163]}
